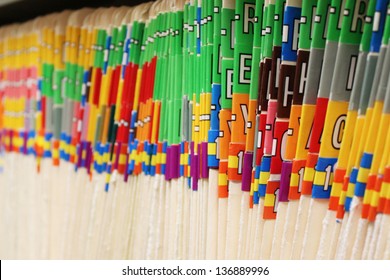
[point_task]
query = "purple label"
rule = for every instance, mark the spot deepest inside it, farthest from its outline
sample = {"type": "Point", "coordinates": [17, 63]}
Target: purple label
{"type": "Point", "coordinates": [168, 164]}
{"type": "Point", "coordinates": [79, 153]}
{"type": "Point", "coordinates": [25, 138]}
{"type": "Point", "coordinates": [247, 172]}
{"type": "Point", "coordinates": [173, 162]}
{"type": "Point", "coordinates": [204, 168]}
{"type": "Point", "coordinates": [285, 181]}
{"type": "Point", "coordinates": [89, 157]}
{"type": "Point", "coordinates": [176, 161]}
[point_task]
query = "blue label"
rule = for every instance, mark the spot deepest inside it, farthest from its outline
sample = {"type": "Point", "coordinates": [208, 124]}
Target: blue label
{"type": "Point", "coordinates": [215, 106]}
{"type": "Point", "coordinates": [153, 167]}
{"type": "Point", "coordinates": [360, 188]}
{"type": "Point", "coordinates": [377, 32]}
{"type": "Point", "coordinates": [213, 160]}
{"type": "Point", "coordinates": [131, 165]}
{"type": "Point", "coordinates": [148, 148]}
{"type": "Point", "coordinates": [256, 194]}
{"type": "Point", "coordinates": [164, 151]}
{"type": "Point", "coordinates": [107, 185]}
{"type": "Point", "coordinates": [39, 84]}
{"type": "Point", "coordinates": [366, 160]}
{"type": "Point", "coordinates": [30, 149]}
{"type": "Point", "coordinates": [132, 126]}
{"type": "Point", "coordinates": [354, 174]}
{"type": "Point", "coordinates": [100, 149]}
{"type": "Point", "coordinates": [198, 19]}
{"type": "Point", "coordinates": [84, 94]}
{"type": "Point", "coordinates": [324, 165]}
{"type": "Point", "coordinates": [47, 153]}
{"type": "Point", "coordinates": [291, 20]}
{"type": "Point", "coordinates": [265, 167]}
{"type": "Point", "coordinates": [365, 163]}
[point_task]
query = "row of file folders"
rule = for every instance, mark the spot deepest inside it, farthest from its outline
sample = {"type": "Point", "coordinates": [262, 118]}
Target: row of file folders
{"type": "Point", "coordinates": [268, 119]}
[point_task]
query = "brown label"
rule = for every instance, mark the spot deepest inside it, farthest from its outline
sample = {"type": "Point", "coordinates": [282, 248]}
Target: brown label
{"type": "Point", "coordinates": [286, 89]}
{"type": "Point", "coordinates": [275, 79]}
{"type": "Point", "coordinates": [265, 70]}
{"type": "Point", "coordinates": [301, 75]}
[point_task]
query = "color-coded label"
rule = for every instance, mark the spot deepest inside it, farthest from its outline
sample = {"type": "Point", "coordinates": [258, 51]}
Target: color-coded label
{"type": "Point", "coordinates": [271, 200]}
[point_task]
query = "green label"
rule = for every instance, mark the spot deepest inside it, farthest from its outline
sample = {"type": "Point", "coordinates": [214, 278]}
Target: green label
{"type": "Point", "coordinates": [258, 23]}
{"type": "Point", "coordinates": [244, 29]}
{"type": "Point", "coordinates": [254, 86]}
{"type": "Point", "coordinates": [278, 22]}
{"type": "Point", "coordinates": [242, 68]}
{"type": "Point", "coordinates": [353, 21]}
{"type": "Point", "coordinates": [335, 20]}
{"type": "Point", "coordinates": [100, 48]}
{"type": "Point", "coordinates": [227, 83]}
{"type": "Point", "coordinates": [308, 13]}
{"type": "Point", "coordinates": [217, 55]}
{"type": "Point", "coordinates": [321, 23]}
{"type": "Point", "coordinates": [227, 33]}
{"type": "Point", "coordinates": [368, 25]}
{"type": "Point", "coordinates": [58, 86]}
{"type": "Point", "coordinates": [267, 31]}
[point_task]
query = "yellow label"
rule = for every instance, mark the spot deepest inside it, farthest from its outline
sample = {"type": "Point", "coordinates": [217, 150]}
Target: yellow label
{"type": "Point", "coordinates": [355, 143]}
{"type": "Point", "coordinates": [137, 89]}
{"type": "Point", "coordinates": [336, 189]}
{"type": "Point", "coordinates": [373, 130]}
{"type": "Point", "coordinates": [347, 139]}
{"type": "Point", "coordinates": [320, 178]}
{"type": "Point", "coordinates": [269, 200]}
{"type": "Point", "coordinates": [212, 148]}
{"type": "Point", "coordinates": [309, 174]}
{"type": "Point", "coordinates": [264, 176]}
{"type": "Point", "coordinates": [363, 174]}
{"type": "Point", "coordinates": [294, 179]}
{"type": "Point", "coordinates": [305, 128]}
{"type": "Point", "coordinates": [363, 139]}
{"type": "Point", "coordinates": [380, 143]}
{"type": "Point", "coordinates": [332, 135]}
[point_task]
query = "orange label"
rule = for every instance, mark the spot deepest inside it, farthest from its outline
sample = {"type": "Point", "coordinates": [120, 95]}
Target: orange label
{"type": "Point", "coordinates": [250, 125]}
{"type": "Point", "coordinates": [271, 200]}
{"type": "Point", "coordinates": [292, 132]}
{"type": "Point", "coordinates": [337, 187]}
{"type": "Point", "coordinates": [236, 161]}
{"type": "Point", "coordinates": [224, 133]}
{"type": "Point", "coordinates": [308, 176]}
{"type": "Point", "coordinates": [239, 117]}
{"type": "Point", "coordinates": [222, 180]}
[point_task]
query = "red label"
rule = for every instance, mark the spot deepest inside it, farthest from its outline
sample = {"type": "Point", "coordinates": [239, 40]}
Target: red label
{"type": "Point", "coordinates": [279, 146]}
{"type": "Point", "coordinates": [318, 125]}
{"type": "Point", "coordinates": [271, 200]}
{"type": "Point", "coordinates": [307, 184]}
{"type": "Point", "coordinates": [335, 197]}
